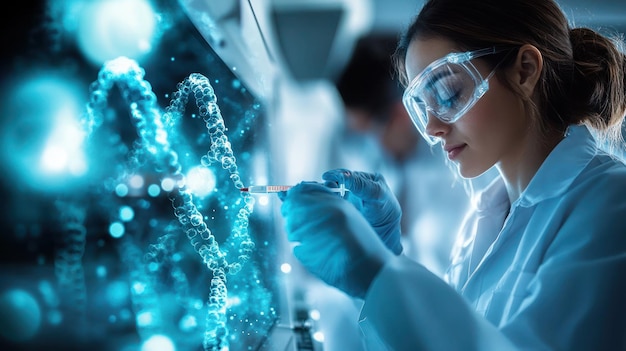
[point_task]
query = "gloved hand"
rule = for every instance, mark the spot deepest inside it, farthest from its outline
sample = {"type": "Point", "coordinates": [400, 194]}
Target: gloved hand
{"type": "Point", "coordinates": [335, 242]}
{"type": "Point", "coordinates": [371, 195]}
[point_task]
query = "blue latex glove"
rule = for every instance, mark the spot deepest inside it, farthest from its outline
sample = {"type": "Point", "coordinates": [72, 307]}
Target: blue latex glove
{"type": "Point", "coordinates": [371, 195]}
{"type": "Point", "coordinates": [334, 241]}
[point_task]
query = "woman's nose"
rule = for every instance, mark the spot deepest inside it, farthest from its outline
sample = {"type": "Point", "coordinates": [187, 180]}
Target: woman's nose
{"type": "Point", "coordinates": [435, 127]}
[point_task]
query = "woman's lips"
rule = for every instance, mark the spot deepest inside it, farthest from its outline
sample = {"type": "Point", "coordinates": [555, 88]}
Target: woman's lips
{"type": "Point", "coordinates": [454, 151]}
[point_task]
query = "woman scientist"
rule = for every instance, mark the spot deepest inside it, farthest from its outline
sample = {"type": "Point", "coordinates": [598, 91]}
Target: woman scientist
{"type": "Point", "coordinates": [540, 263]}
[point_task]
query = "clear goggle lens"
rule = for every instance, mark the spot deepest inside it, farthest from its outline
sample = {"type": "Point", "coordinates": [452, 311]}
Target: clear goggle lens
{"type": "Point", "coordinates": [447, 89]}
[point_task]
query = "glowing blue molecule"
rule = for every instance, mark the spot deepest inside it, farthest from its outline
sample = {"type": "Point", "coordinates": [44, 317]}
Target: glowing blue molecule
{"type": "Point", "coordinates": [154, 145]}
{"type": "Point", "coordinates": [68, 260]}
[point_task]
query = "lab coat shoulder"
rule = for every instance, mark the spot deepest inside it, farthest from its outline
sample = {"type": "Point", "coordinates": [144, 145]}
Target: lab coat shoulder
{"type": "Point", "coordinates": [581, 279]}
{"type": "Point", "coordinates": [596, 203]}
{"type": "Point", "coordinates": [410, 308]}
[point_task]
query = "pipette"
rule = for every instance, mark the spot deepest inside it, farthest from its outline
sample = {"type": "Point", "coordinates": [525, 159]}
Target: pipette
{"type": "Point", "coordinates": [266, 189]}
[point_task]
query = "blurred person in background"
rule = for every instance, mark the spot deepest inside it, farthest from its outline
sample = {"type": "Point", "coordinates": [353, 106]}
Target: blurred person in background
{"type": "Point", "coordinates": [378, 136]}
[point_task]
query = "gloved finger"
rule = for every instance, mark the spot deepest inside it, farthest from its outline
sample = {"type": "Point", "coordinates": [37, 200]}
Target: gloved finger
{"type": "Point", "coordinates": [367, 186]}
{"type": "Point", "coordinates": [331, 184]}
{"type": "Point", "coordinates": [343, 176]}
{"type": "Point", "coordinates": [335, 175]}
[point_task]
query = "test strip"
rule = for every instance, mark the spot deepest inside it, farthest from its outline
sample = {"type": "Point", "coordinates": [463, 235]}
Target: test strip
{"type": "Point", "coordinates": [266, 189]}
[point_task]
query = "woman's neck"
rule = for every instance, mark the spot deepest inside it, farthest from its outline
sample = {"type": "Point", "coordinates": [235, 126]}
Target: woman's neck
{"type": "Point", "coordinates": [520, 166]}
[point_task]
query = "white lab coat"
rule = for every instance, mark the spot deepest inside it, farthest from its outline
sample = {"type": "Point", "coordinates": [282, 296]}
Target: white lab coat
{"type": "Point", "coordinates": [552, 276]}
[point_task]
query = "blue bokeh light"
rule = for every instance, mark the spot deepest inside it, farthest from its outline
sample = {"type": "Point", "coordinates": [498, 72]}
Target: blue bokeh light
{"type": "Point", "coordinates": [201, 181]}
{"type": "Point", "coordinates": [127, 213]}
{"type": "Point", "coordinates": [158, 343]}
{"type": "Point", "coordinates": [42, 142]}
{"type": "Point", "coordinates": [107, 29]}
{"type": "Point", "coordinates": [116, 229]}
{"type": "Point", "coordinates": [20, 315]}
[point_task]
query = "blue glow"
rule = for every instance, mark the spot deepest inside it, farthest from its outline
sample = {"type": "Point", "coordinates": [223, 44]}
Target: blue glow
{"type": "Point", "coordinates": [318, 336]}
{"type": "Point", "coordinates": [63, 150]}
{"type": "Point", "coordinates": [188, 323]}
{"type": "Point", "coordinates": [158, 343]}
{"type": "Point", "coordinates": [20, 315]}
{"type": "Point", "coordinates": [47, 292]}
{"type": "Point", "coordinates": [139, 288]}
{"type": "Point", "coordinates": [121, 190]}
{"type": "Point", "coordinates": [116, 229]}
{"type": "Point", "coordinates": [111, 28]}
{"type": "Point", "coordinates": [136, 181]}
{"type": "Point", "coordinates": [144, 319]}
{"type": "Point", "coordinates": [153, 267]}
{"type": "Point", "coordinates": [125, 314]}
{"type": "Point", "coordinates": [117, 293]}
{"type": "Point", "coordinates": [168, 184]}
{"type": "Point", "coordinates": [43, 144]}
{"type": "Point", "coordinates": [285, 268]}
{"type": "Point", "coordinates": [55, 317]}
{"type": "Point", "coordinates": [233, 301]}
{"type": "Point", "coordinates": [154, 190]}
{"type": "Point", "coordinates": [263, 200]}
{"type": "Point", "coordinates": [127, 213]}
{"type": "Point", "coordinates": [314, 314]}
{"type": "Point", "coordinates": [101, 271]}
{"type": "Point", "coordinates": [201, 181]}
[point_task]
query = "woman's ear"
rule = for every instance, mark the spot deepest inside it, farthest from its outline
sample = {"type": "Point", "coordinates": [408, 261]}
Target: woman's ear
{"type": "Point", "coordinates": [527, 69]}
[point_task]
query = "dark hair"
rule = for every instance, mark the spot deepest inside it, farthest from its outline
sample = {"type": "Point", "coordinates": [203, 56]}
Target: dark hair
{"type": "Point", "coordinates": [367, 82]}
{"type": "Point", "coordinates": [583, 79]}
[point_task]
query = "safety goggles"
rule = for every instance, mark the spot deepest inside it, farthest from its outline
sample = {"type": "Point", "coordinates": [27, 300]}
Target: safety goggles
{"type": "Point", "coordinates": [447, 88]}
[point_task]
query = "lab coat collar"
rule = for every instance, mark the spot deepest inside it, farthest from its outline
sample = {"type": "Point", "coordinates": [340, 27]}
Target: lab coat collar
{"type": "Point", "coordinates": [557, 172]}
{"type": "Point", "coordinates": [561, 167]}
{"type": "Point", "coordinates": [493, 198]}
